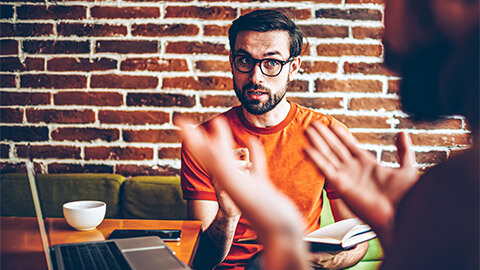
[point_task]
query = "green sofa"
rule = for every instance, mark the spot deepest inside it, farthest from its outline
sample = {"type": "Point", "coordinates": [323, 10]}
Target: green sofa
{"type": "Point", "coordinates": [140, 197]}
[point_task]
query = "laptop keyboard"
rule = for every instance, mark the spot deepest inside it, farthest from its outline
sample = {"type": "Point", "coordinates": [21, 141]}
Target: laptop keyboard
{"type": "Point", "coordinates": [90, 256]}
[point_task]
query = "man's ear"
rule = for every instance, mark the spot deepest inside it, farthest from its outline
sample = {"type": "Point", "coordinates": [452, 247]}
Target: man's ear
{"type": "Point", "coordinates": [294, 67]}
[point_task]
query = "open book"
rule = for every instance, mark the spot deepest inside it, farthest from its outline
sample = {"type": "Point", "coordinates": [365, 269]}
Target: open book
{"type": "Point", "coordinates": [340, 235]}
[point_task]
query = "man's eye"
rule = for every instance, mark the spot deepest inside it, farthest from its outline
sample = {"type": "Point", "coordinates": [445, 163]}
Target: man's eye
{"type": "Point", "coordinates": [270, 63]}
{"type": "Point", "coordinates": [244, 60]}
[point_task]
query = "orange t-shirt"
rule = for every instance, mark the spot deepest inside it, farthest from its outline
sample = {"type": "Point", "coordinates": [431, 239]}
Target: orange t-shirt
{"type": "Point", "coordinates": [288, 167]}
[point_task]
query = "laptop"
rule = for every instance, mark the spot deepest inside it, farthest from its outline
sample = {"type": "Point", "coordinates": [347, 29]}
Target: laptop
{"type": "Point", "coordinates": [149, 252]}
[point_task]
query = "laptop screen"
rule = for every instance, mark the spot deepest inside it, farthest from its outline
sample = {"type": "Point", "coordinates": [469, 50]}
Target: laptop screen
{"type": "Point", "coordinates": [38, 212]}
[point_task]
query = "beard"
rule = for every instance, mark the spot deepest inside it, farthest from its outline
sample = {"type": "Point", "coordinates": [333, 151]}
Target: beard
{"type": "Point", "coordinates": [256, 107]}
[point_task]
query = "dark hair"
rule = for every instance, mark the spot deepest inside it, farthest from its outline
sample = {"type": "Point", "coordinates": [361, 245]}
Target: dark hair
{"type": "Point", "coordinates": [265, 21]}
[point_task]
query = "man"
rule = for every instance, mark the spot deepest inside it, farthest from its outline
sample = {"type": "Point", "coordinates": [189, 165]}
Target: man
{"type": "Point", "coordinates": [265, 48]}
{"type": "Point", "coordinates": [434, 46]}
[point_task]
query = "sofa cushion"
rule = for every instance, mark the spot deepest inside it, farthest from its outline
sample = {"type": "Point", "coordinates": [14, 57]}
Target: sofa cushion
{"type": "Point", "coordinates": [161, 198]}
{"type": "Point", "coordinates": [56, 189]}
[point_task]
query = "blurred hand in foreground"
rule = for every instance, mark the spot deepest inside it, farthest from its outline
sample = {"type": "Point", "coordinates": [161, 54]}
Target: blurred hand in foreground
{"type": "Point", "coordinates": [274, 217]}
{"type": "Point", "coordinates": [372, 191]}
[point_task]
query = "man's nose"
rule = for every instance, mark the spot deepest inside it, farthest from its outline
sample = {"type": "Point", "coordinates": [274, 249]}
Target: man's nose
{"type": "Point", "coordinates": [256, 74]}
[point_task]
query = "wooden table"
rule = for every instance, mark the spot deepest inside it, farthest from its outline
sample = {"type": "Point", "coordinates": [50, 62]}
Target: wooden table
{"type": "Point", "coordinates": [21, 245]}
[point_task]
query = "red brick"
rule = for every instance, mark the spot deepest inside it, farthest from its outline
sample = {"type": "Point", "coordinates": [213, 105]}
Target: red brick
{"type": "Point", "coordinates": [365, 1]}
{"type": "Point", "coordinates": [160, 100]}
{"type": "Point", "coordinates": [14, 64]}
{"type": "Point", "coordinates": [219, 101]}
{"type": "Point", "coordinates": [152, 135]}
{"type": "Point", "coordinates": [212, 65]}
{"type": "Point", "coordinates": [388, 104]}
{"type": "Point", "coordinates": [406, 123]}
{"type": "Point", "coordinates": [134, 170]}
{"type": "Point", "coordinates": [6, 12]}
{"type": "Point", "coordinates": [49, 151]}
{"type": "Point", "coordinates": [449, 140]}
{"type": "Point", "coordinates": [124, 12]}
{"type": "Point", "coordinates": [430, 157]}
{"type": "Point", "coordinates": [195, 117]}
{"type": "Point", "coordinates": [80, 64]}
{"type": "Point", "coordinates": [156, 1]}
{"type": "Point", "coordinates": [4, 151]}
{"type": "Point", "coordinates": [60, 116]}
{"type": "Point", "coordinates": [308, 67]}
{"type": "Point", "coordinates": [133, 117]}
{"type": "Point", "coordinates": [318, 103]}
{"type": "Point", "coordinates": [85, 134]}
{"type": "Point", "coordinates": [8, 47]}
{"type": "Point", "coordinates": [367, 68]}
{"type": "Point", "coordinates": [349, 49]}
{"type": "Point", "coordinates": [207, 13]}
{"type": "Point", "coordinates": [298, 86]}
{"type": "Point", "coordinates": [118, 153]}
{"type": "Point", "coordinates": [25, 29]}
{"type": "Point", "coordinates": [306, 49]}
{"type": "Point", "coordinates": [363, 121]}
{"type": "Point", "coordinates": [297, 14]}
{"type": "Point", "coordinates": [13, 167]}
{"type": "Point", "coordinates": [11, 115]}
{"type": "Point", "coordinates": [375, 138]}
{"type": "Point", "coordinates": [201, 83]}
{"type": "Point", "coordinates": [349, 14]}
{"type": "Point", "coordinates": [88, 98]}
{"type": "Point", "coordinates": [457, 151]}
{"type": "Point", "coordinates": [23, 133]}
{"type": "Point", "coordinates": [8, 81]}
{"type": "Point", "coordinates": [324, 31]}
{"type": "Point", "coordinates": [55, 47]}
{"type": "Point", "coordinates": [78, 168]}
{"type": "Point", "coordinates": [215, 30]}
{"type": "Point", "coordinates": [314, 1]}
{"type": "Point", "coordinates": [169, 153]}
{"type": "Point", "coordinates": [91, 30]}
{"type": "Point", "coordinates": [53, 81]}
{"type": "Point", "coordinates": [162, 30]}
{"type": "Point", "coordinates": [336, 85]}
{"type": "Point", "coordinates": [124, 46]}
{"type": "Point", "coordinates": [54, 12]}
{"type": "Point", "coordinates": [393, 86]}
{"type": "Point", "coordinates": [154, 64]}
{"type": "Point", "coordinates": [21, 98]}
{"type": "Point", "coordinates": [186, 47]}
{"type": "Point", "coordinates": [367, 32]}
{"type": "Point", "coordinates": [123, 82]}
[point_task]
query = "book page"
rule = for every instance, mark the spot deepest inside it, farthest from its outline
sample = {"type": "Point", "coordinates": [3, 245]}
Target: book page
{"type": "Point", "coordinates": [333, 233]}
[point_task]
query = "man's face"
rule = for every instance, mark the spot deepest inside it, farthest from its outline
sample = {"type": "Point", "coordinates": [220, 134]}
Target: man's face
{"type": "Point", "coordinates": [258, 92]}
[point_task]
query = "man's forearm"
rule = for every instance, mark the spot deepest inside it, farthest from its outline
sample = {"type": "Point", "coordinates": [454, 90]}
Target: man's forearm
{"type": "Point", "coordinates": [215, 242]}
{"type": "Point", "coordinates": [339, 260]}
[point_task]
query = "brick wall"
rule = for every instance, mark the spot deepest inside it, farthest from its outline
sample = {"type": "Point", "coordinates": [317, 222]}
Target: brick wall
{"type": "Point", "coordinates": [93, 86]}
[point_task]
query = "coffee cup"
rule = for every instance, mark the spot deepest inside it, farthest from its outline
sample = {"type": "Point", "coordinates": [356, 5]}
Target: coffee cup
{"type": "Point", "coordinates": [84, 215]}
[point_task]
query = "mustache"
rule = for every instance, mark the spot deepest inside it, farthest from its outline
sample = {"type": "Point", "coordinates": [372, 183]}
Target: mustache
{"type": "Point", "coordinates": [254, 86]}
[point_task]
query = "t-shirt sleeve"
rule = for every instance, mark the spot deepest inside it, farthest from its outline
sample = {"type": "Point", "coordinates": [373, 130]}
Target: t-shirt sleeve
{"type": "Point", "coordinates": [195, 180]}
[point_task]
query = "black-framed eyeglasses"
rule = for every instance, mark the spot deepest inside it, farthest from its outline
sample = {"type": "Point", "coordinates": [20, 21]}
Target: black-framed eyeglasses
{"type": "Point", "coordinates": [269, 67]}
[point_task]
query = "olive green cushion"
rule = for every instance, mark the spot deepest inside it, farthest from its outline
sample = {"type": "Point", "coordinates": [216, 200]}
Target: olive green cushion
{"type": "Point", "coordinates": [55, 190]}
{"type": "Point", "coordinates": [161, 198]}
{"type": "Point", "coordinates": [366, 265]}
{"type": "Point", "coordinates": [374, 255]}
